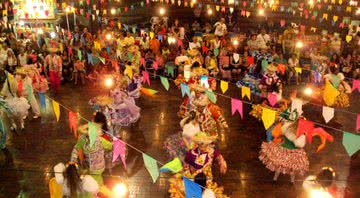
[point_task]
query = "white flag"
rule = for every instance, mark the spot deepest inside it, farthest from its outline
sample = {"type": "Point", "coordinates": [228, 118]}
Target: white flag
{"type": "Point", "coordinates": [297, 104]}
{"type": "Point", "coordinates": [328, 113]}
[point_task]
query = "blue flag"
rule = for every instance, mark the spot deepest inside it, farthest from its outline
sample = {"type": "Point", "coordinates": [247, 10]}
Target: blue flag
{"type": "Point", "coordinates": [42, 100]}
{"type": "Point", "coordinates": [184, 89]}
{"type": "Point", "coordinates": [192, 189]}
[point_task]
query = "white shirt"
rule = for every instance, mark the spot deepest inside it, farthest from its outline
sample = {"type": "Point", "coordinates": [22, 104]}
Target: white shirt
{"type": "Point", "coordinates": [220, 29]}
{"type": "Point", "coordinates": [293, 63]}
{"type": "Point", "coordinates": [190, 130]}
{"type": "Point", "coordinates": [262, 40]}
{"type": "Point", "coordinates": [22, 59]}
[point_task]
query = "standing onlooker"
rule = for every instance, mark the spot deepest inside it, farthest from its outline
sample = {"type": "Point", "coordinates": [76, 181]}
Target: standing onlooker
{"type": "Point", "coordinates": [53, 64]}
{"type": "Point", "coordinates": [220, 28]}
{"type": "Point", "coordinates": [293, 62]}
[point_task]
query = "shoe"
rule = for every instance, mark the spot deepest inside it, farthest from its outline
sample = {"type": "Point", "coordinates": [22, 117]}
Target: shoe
{"type": "Point", "coordinates": [36, 116]}
{"type": "Point", "coordinates": [22, 126]}
{"type": "Point", "coordinates": [24, 117]}
{"type": "Point", "coordinates": [13, 127]}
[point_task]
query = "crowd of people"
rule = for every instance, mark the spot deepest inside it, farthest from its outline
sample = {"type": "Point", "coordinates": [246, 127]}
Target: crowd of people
{"type": "Point", "coordinates": [265, 61]}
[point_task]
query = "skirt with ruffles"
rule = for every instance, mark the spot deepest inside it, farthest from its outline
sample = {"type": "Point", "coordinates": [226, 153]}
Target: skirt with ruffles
{"type": "Point", "coordinates": [287, 161]}
{"type": "Point", "coordinates": [19, 106]}
{"type": "Point", "coordinates": [175, 146]}
{"type": "Point", "coordinates": [342, 100]}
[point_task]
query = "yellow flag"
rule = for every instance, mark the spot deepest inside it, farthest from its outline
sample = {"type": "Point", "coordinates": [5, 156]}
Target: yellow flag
{"type": "Point", "coordinates": [129, 71]}
{"type": "Point", "coordinates": [56, 109]}
{"type": "Point", "coordinates": [245, 91]}
{"type": "Point", "coordinates": [335, 18]}
{"type": "Point", "coordinates": [268, 117]}
{"type": "Point", "coordinates": [298, 70]}
{"type": "Point", "coordinates": [330, 94]}
{"type": "Point", "coordinates": [224, 86]}
{"type": "Point", "coordinates": [348, 9]}
{"type": "Point", "coordinates": [5, 13]}
{"type": "Point", "coordinates": [97, 45]}
{"type": "Point", "coordinates": [348, 38]}
{"type": "Point", "coordinates": [340, 2]}
{"type": "Point", "coordinates": [119, 25]}
{"type": "Point", "coordinates": [61, 47]}
{"type": "Point", "coordinates": [152, 35]}
{"type": "Point", "coordinates": [325, 16]}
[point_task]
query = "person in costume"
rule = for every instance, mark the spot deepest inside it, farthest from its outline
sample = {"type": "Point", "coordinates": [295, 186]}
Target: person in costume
{"type": "Point", "coordinates": [15, 101]}
{"type": "Point", "coordinates": [92, 157]}
{"type": "Point", "coordinates": [53, 64]}
{"type": "Point", "coordinates": [135, 86]}
{"type": "Point", "coordinates": [199, 160]}
{"type": "Point", "coordinates": [336, 79]}
{"type": "Point", "coordinates": [177, 144]}
{"type": "Point", "coordinates": [72, 183]}
{"type": "Point", "coordinates": [4, 107]}
{"type": "Point", "coordinates": [284, 153]}
{"type": "Point", "coordinates": [270, 82]}
{"type": "Point", "coordinates": [39, 82]}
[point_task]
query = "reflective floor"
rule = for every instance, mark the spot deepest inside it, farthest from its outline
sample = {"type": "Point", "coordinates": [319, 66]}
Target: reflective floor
{"type": "Point", "coordinates": [31, 154]}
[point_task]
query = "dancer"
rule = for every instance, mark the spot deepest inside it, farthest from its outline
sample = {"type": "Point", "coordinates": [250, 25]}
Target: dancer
{"type": "Point", "coordinates": [4, 108]}
{"type": "Point", "coordinates": [79, 71]}
{"type": "Point", "coordinates": [72, 184]}
{"type": "Point", "coordinates": [12, 91]}
{"type": "Point", "coordinates": [177, 144]}
{"type": "Point", "coordinates": [53, 64]}
{"type": "Point", "coordinates": [199, 160]}
{"type": "Point", "coordinates": [336, 79]}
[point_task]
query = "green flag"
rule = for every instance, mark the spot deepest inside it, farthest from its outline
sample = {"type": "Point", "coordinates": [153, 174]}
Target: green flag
{"type": "Point", "coordinates": [92, 130]}
{"type": "Point", "coordinates": [165, 83]}
{"type": "Point", "coordinates": [102, 59]}
{"type": "Point", "coordinates": [264, 64]}
{"type": "Point", "coordinates": [211, 96]}
{"type": "Point", "coordinates": [151, 166]}
{"type": "Point", "coordinates": [174, 166]}
{"type": "Point", "coordinates": [79, 54]}
{"type": "Point", "coordinates": [351, 143]}
{"type": "Point", "coordinates": [170, 70]}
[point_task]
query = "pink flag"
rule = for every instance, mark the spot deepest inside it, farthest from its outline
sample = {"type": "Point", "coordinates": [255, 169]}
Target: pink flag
{"type": "Point", "coordinates": [119, 149]}
{"type": "Point", "coordinates": [180, 43]}
{"type": "Point", "coordinates": [358, 122]}
{"type": "Point", "coordinates": [356, 85]}
{"type": "Point", "coordinates": [282, 22]}
{"type": "Point", "coordinates": [70, 52]}
{"type": "Point", "coordinates": [146, 78]}
{"type": "Point", "coordinates": [236, 105]}
{"type": "Point", "coordinates": [142, 61]}
{"type": "Point", "coordinates": [155, 65]}
{"type": "Point", "coordinates": [305, 127]}
{"type": "Point", "coordinates": [272, 98]}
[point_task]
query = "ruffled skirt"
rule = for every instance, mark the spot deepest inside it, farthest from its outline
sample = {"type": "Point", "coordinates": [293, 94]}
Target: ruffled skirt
{"type": "Point", "coordinates": [175, 146]}
{"type": "Point", "coordinates": [124, 114]}
{"type": "Point", "coordinates": [342, 100]}
{"type": "Point", "coordinates": [287, 161]}
{"type": "Point", "coordinates": [19, 106]}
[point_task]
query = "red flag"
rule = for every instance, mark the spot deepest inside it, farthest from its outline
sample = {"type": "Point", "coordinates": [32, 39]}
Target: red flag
{"type": "Point", "coordinates": [305, 126]}
{"type": "Point", "coordinates": [356, 85]}
{"type": "Point", "coordinates": [236, 106]}
{"type": "Point", "coordinates": [146, 78]}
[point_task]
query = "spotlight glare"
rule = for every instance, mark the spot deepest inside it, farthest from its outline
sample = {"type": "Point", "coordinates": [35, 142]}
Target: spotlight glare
{"type": "Point", "coordinates": [261, 12]}
{"type": "Point", "coordinates": [209, 11]}
{"type": "Point", "coordinates": [162, 11]}
{"type": "Point", "coordinates": [109, 82]}
{"type": "Point", "coordinates": [108, 36]}
{"type": "Point", "coordinates": [308, 91]}
{"type": "Point", "coordinates": [52, 35]}
{"type": "Point", "coordinates": [120, 190]}
{"type": "Point", "coordinates": [21, 23]}
{"type": "Point", "coordinates": [299, 44]}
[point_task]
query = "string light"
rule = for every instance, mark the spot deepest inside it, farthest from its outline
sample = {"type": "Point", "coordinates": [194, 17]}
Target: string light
{"type": "Point", "coordinates": [261, 12]}
{"type": "Point", "coordinates": [209, 11]}
{"type": "Point", "coordinates": [21, 23]}
{"type": "Point", "coordinates": [113, 11]}
{"type": "Point", "coordinates": [40, 31]}
{"type": "Point", "coordinates": [162, 11]}
{"type": "Point", "coordinates": [108, 36]}
{"type": "Point", "coordinates": [109, 82]}
{"type": "Point", "coordinates": [67, 9]}
{"type": "Point", "coordinates": [308, 91]}
{"type": "Point", "coordinates": [235, 42]}
{"type": "Point", "coordinates": [120, 190]}
{"type": "Point", "coordinates": [299, 44]}
{"type": "Point", "coordinates": [311, 2]}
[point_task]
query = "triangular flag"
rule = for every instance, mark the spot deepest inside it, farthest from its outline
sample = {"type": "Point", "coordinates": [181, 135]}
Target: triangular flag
{"type": "Point", "coordinates": [298, 70]}
{"type": "Point", "coordinates": [245, 91]}
{"type": "Point", "coordinates": [296, 104]}
{"type": "Point", "coordinates": [56, 108]}
{"type": "Point", "coordinates": [236, 105]}
{"type": "Point", "coordinates": [4, 133]}
{"type": "Point", "coordinates": [272, 99]}
{"type": "Point", "coordinates": [268, 117]}
{"type": "Point", "coordinates": [173, 166]}
{"type": "Point", "coordinates": [356, 85]}
{"type": "Point", "coordinates": [204, 81]}
{"type": "Point", "coordinates": [148, 92]}
{"type": "Point", "coordinates": [328, 113]}
{"type": "Point", "coordinates": [79, 54]}
{"type": "Point", "coordinates": [330, 94]}
{"type": "Point", "coordinates": [42, 100]}
{"type": "Point", "coordinates": [151, 166]}
{"type": "Point", "coordinates": [146, 77]}
{"type": "Point", "coordinates": [128, 71]}
{"type": "Point", "coordinates": [348, 38]}
{"type": "Point", "coordinates": [224, 85]}
{"type": "Point", "coordinates": [170, 70]}
{"type": "Point", "coordinates": [351, 143]}
{"type": "Point", "coordinates": [101, 59]}
{"type": "Point", "coordinates": [184, 89]}
{"type": "Point", "coordinates": [192, 189]}
{"type": "Point", "coordinates": [142, 61]}
{"type": "Point", "coordinates": [304, 127]}
{"type": "Point", "coordinates": [72, 122]}
{"type": "Point", "coordinates": [155, 65]}
{"type": "Point", "coordinates": [358, 122]}
{"type": "Point", "coordinates": [119, 150]}
{"type": "Point", "coordinates": [92, 132]}
{"type": "Point", "coordinates": [211, 96]}
{"type": "Point", "coordinates": [165, 83]}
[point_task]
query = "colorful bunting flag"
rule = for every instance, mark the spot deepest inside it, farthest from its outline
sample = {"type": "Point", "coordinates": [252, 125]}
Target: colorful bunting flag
{"type": "Point", "coordinates": [146, 77]}
{"type": "Point", "coordinates": [56, 108]}
{"type": "Point", "coordinates": [305, 127]}
{"type": "Point", "coordinates": [358, 122]}
{"type": "Point", "coordinates": [173, 166]}
{"type": "Point", "coordinates": [236, 106]}
{"type": "Point", "coordinates": [148, 92]}
{"type": "Point", "coordinates": [192, 189]}
{"type": "Point", "coordinates": [170, 70]}
{"type": "Point", "coordinates": [151, 166]}
{"type": "Point", "coordinates": [351, 143]}
{"type": "Point", "coordinates": [92, 132]}
{"type": "Point", "coordinates": [119, 150]}
{"type": "Point", "coordinates": [165, 83]}
{"type": "Point", "coordinates": [42, 100]}
{"type": "Point", "coordinates": [211, 96]}
{"type": "Point", "coordinates": [356, 85]}
{"type": "Point", "coordinates": [245, 91]}
{"type": "Point", "coordinates": [296, 104]}
{"type": "Point", "coordinates": [328, 113]}
{"type": "Point", "coordinates": [330, 94]}
{"type": "Point", "coordinates": [185, 89]}
{"type": "Point", "coordinates": [72, 122]}
{"type": "Point", "coordinates": [128, 71]}
{"type": "Point", "coordinates": [224, 85]}
{"type": "Point", "coordinates": [272, 99]}
{"type": "Point", "coordinates": [268, 117]}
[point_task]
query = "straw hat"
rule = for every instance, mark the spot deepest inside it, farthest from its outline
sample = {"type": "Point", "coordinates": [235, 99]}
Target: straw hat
{"type": "Point", "coordinates": [203, 138]}
{"type": "Point", "coordinates": [21, 71]}
{"type": "Point", "coordinates": [193, 52]}
{"type": "Point", "coordinates": [52, 50]}
{"type": "Point", "coordinates": [84, 129]}
{"type": "Point", "coordinates": [272, 68]}
{"type": "Point", "coordinates": [133, 48]}
{"type": "Point", "coordinates": [103, 100]}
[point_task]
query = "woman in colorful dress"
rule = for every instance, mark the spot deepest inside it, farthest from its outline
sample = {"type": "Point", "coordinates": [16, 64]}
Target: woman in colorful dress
{"type": "Point", "coordinates": [176, 145]}
{"type": "Point", "coordinates": [199, 160]}
{"type": "Point", "coordinates": [284, 153]}
{"type": "Point", "coordinates": [336, 79]}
